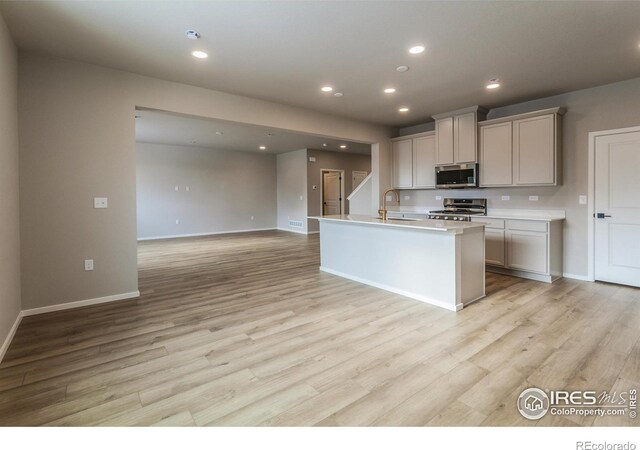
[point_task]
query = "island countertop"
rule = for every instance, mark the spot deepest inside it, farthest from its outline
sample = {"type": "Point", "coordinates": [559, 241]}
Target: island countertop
{"type": "Point", "coordinates": [443, 226]}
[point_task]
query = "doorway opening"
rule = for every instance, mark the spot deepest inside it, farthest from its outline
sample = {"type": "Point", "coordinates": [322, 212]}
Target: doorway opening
{"type": "Point", "coordinates": [331, 192]}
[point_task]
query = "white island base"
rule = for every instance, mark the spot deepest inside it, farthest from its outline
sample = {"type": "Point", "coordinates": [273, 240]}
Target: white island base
{"type": "Point", "coordinates": [434, 261]}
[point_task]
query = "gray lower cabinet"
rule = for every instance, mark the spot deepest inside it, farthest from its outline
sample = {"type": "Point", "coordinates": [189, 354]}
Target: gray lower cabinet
{"type": "Point", "coordinates": [526, 248]}
{"type": "Point", "coordinates": [494, 252]}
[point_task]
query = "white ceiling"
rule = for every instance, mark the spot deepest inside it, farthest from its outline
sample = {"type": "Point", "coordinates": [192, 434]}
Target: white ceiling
{"type": "Point", "coordinates": [285, 51]}
{"type": "Point", "coordinates": [161, 127]}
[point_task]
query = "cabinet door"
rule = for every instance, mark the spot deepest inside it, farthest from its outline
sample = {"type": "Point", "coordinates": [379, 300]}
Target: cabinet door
{"type": "Point", "coordinates": [527, 250]}
{"type": "Point", "coordinates": [465, 133]}
{"type": "Point", "coordinates": [494, 247]}
{"type": "Point", "coordinates": [534, 151]}
{"type": "Point", "coordinates": [496, 166]}
{"type": "Point", "coordinates": [402, 164]}
{"type": "Point", "coordinates": [444, 141]}
{"type": "Point", "coordinates": [424, 162]}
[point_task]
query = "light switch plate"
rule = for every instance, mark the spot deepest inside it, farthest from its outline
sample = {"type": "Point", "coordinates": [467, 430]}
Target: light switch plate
{"type": "Point", "coordinates": [506, 198]}
{"type": "Point", "coordinates": [301, 197]}
{"type": "Point", "coordinates": [582, 200]}
{"type": "Point", "coordinates": [187, 188]}
{"type": "Point", "coordinates": [407, 197]}
{"type": "Point", "coordinates": [438, 197]}
{"type": "Point", "coordinates": [88, 265]}
{"type": "Point", "coordinates": [177, 188]}
{"type": "Point", "coordinates": [100, 202]}
{"type": "Point", "coordinates": [312, 159]}
{"type": "Point", "coordinates": [533, 198]}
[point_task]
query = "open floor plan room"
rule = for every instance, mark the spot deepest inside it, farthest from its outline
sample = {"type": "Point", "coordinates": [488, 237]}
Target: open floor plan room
{"type": "Point", "coordinates": [321, 221]}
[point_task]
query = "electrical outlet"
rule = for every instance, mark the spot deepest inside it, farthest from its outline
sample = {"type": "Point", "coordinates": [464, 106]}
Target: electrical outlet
{"type": "Point", "coordinates": [88, 265]}
{"type": "Point", "coordinates": [533, 198]}
{"type": "Point", "coordinates": [301, 197]}
{"type": "Point", "coordinates": [312, 159]}
{"type": "Point", "coordinates": [187, 188]}
{"type": "Point", "coordinates": [506, 198]}
{"type": "Point", "coordinates": [582, 200]}
{"type": "Point", "coordinates": [438, 197]}
{"type": "Point", "coordinates": [177, 221]}
{"type": "Point", "coordinates": [177, 188]}
{"type": "Point", "coordinates": [252, 217]}
{"type": "Point", "coordinates": [100, 202]}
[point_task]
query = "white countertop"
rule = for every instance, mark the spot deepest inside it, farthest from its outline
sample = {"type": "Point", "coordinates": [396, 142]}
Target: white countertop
{"type": "Point", "coordinates": [445, 226]}
{"type": "Point", "coordinates": [546, 215]}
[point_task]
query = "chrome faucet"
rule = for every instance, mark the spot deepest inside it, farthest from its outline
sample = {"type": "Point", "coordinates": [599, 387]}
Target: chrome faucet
{"type": "Point", "coordinates": [383, 211]}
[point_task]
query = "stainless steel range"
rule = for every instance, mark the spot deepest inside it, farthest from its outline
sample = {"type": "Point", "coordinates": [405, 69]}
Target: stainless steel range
{"type": "Point", "coordinates": [460, 209]}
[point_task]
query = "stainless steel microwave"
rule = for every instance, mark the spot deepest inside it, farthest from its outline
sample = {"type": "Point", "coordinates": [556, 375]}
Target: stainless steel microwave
{"type": "Point", "coordinates": [457, 176]}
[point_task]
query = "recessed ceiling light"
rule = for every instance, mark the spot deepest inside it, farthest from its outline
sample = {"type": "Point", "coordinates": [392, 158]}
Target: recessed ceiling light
{"type": "Point", "coordinates": [326, 89]}
{"type": "Point", "coordinates": [416, 49]}
{"type": "Point", "coordinates": [403, 109]}
{"type": "Point", "coordinates": [262, 147]}
{"type": "Point", "coordinates": [402, 68]}
{"type": "Point", "coordinates": [494, 83]}
{"type": "Point", "coordinates": [219, 133]}
{"type": "Point", "coordinates": [324, 145]}
{"type": "Point", "coordinates": [192, 34]}
{"type": "Point", "coordinates": [389, 90]}
{"type": "Point", "coordinates": [338, 94]}
{"type": "Point", "coordinates": [343, 146]}
{"type": "Point", "coordinates": [200, 54]}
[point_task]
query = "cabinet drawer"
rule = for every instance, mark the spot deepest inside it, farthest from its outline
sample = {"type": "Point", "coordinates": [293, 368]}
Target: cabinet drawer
{"type": "Point", "coordinates": [489, 223]}
{"type": "Point", "coordinates": [527, 225]}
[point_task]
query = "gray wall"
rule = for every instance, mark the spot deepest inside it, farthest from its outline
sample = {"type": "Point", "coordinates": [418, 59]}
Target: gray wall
{"type": "Point", "coordinates": [292, 190]}
{"type": "Point", "coordinates": [226, 188]}
{"type": "Point", "coordinates": [602, 108]}
{"type": "Point", "coordinates": [331, 160]}
{"type": "Point", "coordinates": [77, 141]}
{"type": "Point", "coordinates": [9, 203]}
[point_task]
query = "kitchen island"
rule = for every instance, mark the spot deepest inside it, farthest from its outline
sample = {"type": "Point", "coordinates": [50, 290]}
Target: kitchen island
{"type": "Point", "coordinates": [440, 262]}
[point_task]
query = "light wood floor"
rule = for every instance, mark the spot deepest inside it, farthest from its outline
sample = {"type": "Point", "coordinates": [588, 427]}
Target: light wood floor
{"type": "Point", "coordinates": [244, 330]}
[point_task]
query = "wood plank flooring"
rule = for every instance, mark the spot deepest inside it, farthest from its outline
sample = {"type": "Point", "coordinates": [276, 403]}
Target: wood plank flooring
{"type": "Point", "coordinates": [244, 330]}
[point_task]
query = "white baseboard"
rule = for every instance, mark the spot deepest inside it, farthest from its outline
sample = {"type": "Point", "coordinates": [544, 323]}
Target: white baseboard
{"type": "Point", "coordinates": [9, 338]}
{"type": "Point", "coordinates": [577, 277]}
{"type": "Point", "coordinates": [80, 303]}
{"type": "Point", "coordinates": [313, 232]}
{"type": "Point", "coordinates": [212, 233]}
{"type": "Point", "coordinates": [293, 231]}
{"type": "Point", "coordinates": [385, 287]}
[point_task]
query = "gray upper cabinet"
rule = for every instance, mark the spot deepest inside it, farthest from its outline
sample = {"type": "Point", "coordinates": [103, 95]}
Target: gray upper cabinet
{"type": "Point", "coordinates": [465, 133]}
{"type": "Point", "coordinates": [402, 155]}
{"type": "Point", "coordinates": [414, 161]}
{"type": "Point", "coordinates": [444, 141]}
{"type": "Point", "coordinates": [522, 150]}
{"type": "Point", "coordinates": [496, 160]}
{"type": "Point", "coordinates": [424, 162]}
{"type": "Point", "coordinates": [535, 150]}
{"type": "Point", "coordinates": [456, 136]}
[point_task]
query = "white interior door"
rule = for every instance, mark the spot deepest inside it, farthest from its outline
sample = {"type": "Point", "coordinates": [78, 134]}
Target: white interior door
{"type": "Point", "coordinates": [331, 193]}
{"type": "Point", "coordinates": [617, 208]}
{"type": "Point", "coordinates": [358, 177]}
